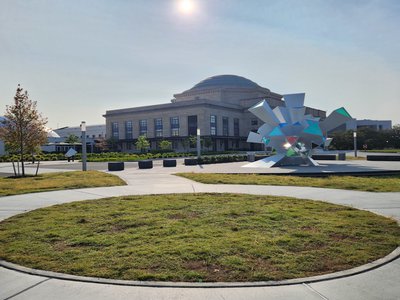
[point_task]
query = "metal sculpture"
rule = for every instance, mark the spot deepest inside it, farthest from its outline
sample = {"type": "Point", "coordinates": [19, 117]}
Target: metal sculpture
{"type": "Point", "coordinates": [292, 133]}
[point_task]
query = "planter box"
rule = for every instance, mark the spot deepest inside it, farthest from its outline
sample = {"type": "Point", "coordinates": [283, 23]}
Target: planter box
{"type": "Point", "coordinates": [384, 157]}
{"type": "Point", "coordinates": [116, 166]}
{"type": "Point", "coordinates": [191, 161]}
{"type": "Point", "coordinates": [145, 164]}
{"type": "Point", "coordinates": [324, 157]}
{"type": "Point", "coordinates": [169, 163]}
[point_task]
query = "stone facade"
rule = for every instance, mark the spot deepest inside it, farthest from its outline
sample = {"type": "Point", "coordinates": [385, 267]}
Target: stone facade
{"type": "Point", "coordinates": [225, 98]}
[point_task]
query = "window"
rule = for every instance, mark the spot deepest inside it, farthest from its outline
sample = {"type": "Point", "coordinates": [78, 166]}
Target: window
{"type": "Point", "coordinates": [158, 127]}
{"type": "Point", "coordinates": [192, 125]}
{"type": "Point", "coordinates": [128, 130]}
{"type": "Point", "coordinates": [174, 126]}
{"type": "Point", "coordinates": [225, 126]}
{"type": "Point", "coordinates": [115, 130]}
{"type": "Point", "coordinates": [254, 122]}
{"type": "Point", "coordinates": [143, 127]}
{"type": "Point", "coordinates": [213, 125]}
{"type": "Point", "coordinates": [236, 127]}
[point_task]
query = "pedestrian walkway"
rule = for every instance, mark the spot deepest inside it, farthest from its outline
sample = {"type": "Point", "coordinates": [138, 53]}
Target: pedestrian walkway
{"type": "Point", "coordinates": [380, 283]}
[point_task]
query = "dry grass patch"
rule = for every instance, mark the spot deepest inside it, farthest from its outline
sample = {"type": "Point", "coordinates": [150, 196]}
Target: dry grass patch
{"type": "Point", "coordinates": [197, 237]}
{"type": "Point", "coordinates": [368, 184]}
{"type": "Point", "coordinates": [57, 181]}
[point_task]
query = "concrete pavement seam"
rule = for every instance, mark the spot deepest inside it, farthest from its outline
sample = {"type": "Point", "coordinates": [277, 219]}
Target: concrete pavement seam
{"type": "Point", "coordinates": [315, 291]}
{"type": "Point", "coordinates": [27, 289]}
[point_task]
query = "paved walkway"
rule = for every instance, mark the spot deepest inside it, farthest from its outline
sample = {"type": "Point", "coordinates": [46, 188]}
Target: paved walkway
{"type": "Point", "coordinates": [380, 283]}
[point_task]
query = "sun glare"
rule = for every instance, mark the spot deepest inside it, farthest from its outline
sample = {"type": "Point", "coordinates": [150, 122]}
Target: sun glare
{"type": "Point", "coordinates": [186, 7]}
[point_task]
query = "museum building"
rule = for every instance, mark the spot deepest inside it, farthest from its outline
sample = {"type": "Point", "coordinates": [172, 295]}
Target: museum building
{"type": "Point", "coordinates": [217, 106]}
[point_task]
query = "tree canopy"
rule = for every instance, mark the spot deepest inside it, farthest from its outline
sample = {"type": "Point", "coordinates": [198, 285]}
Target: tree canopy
{"type": "Point", "coordinates": [142, 143]}
{"type": "Point", "coordinates": [72, 139]}
{"type": "Point", "coordinates": [23, 130]}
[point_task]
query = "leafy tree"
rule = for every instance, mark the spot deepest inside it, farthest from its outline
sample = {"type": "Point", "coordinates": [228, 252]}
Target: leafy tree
{"type": "Point", "coordinates": [72, 139]}
{"type": "Point", "coordinates": [102, 145]}
{"type": "Point", "coordinates": [142, 143]}
{"type": "Point", "coordinates": [165, 145]}
{"type": "Point", "coordinates": [192, 141]}
{"type": "Point", "coordinates": [23, 129]}
{"type": "Point", "coordinates": [374, 139]}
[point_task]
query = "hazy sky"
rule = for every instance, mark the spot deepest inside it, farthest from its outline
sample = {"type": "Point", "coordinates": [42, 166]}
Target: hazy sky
{"type": "Point", "coordinates": [79, 58]}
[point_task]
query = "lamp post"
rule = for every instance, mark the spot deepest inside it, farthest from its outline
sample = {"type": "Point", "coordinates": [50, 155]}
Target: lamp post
{"type": "Point", "coordinates": [83, 136]}
{"type": "Point", "coordinates": [198, 143]}
{"type": "Point", "coordinates": [355, 143]}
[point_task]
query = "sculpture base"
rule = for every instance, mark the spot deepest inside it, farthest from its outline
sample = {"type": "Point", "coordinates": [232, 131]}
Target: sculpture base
{"type": "Point", "coordinates": [280, 160]}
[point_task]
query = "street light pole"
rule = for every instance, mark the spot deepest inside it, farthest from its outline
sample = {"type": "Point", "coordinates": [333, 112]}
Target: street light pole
{"type": "Point", "coordinates": [198, 143]}
{"type": "Point", "coordinates": [84, 158]}
{"type": "Point", "coordinates": [355, 143]}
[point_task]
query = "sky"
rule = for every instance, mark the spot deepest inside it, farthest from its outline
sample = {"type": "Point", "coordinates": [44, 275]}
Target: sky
{"type": "Point", "coordinates": [79, 58]}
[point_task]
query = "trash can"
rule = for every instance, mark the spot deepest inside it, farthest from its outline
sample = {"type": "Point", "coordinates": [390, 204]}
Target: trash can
{"type": "Point", "coordinates": [342, 156]}
{"type": "Point", "coordinates": [145, 164]}
{"type": "Point", "coordinates": [251, 156]}
{"type": "Point", "coordinates": [169, 163]}
{"type": "Point", "coordinates": [116, 166]}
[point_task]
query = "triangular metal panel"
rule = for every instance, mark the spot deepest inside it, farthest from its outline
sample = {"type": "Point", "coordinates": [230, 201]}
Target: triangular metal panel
{"type": "Point", "coordinates": [263, 111]}
{"type": "Point", "coordinates": [297, 114]}
{"type": "Point", "coordinates": [282, 113]}
{"type": "Point", "coordinates": [294, 100]}
{"type": "Point", "coordinates": [265, 129]}
{"type": "Point", "coordinates": [254, 137]}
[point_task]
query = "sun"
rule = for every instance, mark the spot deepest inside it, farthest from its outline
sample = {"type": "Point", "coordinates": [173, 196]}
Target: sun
{"type": "Point", "coordinates": [186, 7]}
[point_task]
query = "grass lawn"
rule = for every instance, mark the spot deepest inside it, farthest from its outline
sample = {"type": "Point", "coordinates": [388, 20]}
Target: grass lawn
{"type": "Point", "coordinates": [57, 181]}
{"type": "Point", "coordinates": [369, 184]}
{"type": "Point", "coordinates": [197, 237]}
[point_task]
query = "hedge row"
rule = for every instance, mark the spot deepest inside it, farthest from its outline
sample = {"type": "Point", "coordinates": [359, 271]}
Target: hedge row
{"type": "Point", "coordinates": [96, 157]}
{"type": "Point", "coordinates": [119, 156]}
{"type": "Point", "coordinates": [215, 159]}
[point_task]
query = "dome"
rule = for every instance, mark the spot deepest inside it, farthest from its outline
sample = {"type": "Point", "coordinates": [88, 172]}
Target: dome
{"type": "Point", "coordinates": [226, 81]}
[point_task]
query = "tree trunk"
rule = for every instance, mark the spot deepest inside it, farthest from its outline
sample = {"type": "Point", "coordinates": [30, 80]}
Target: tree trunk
{"type": "Point", "coordinates": [22, 165]}
{"type": "Point", "coordinates": [22, 157]}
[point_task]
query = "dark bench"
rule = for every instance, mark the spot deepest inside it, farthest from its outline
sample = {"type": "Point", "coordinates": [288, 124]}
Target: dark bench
{"type": "Point", "coordinates": [169, 163]}
{"type": "Point", "coordinates": [324, 157]}
{"type": "Point", "coordinates": [116, 166]}
{"type": "Point", "coordinates": [191, 161]}
{"type": "Point", "coordinates": [145, 164]}
{"type": "Point", "coordinates": [384, 157]}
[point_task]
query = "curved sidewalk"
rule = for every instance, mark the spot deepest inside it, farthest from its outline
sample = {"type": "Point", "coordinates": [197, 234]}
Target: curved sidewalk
{"type": "Point", "coordinates": [380, 283]}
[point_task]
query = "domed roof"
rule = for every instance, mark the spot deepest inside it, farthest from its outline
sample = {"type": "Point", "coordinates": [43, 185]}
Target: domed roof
{"type": "Point", "coordinates": [226, 80]}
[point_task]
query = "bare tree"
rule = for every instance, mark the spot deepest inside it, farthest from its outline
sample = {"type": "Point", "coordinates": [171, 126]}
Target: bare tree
{"type": "Point", "coordinates": [23, 129]}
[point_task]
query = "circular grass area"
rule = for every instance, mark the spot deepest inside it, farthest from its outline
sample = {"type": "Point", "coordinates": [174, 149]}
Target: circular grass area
{"type": "Point", "coordinates": [197, 237]}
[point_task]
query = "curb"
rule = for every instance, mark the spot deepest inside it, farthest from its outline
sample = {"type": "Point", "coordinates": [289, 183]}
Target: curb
{"type": "Point", "coordinates": [166, 284]}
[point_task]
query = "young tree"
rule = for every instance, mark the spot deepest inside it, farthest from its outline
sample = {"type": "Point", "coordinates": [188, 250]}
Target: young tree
{"type": "Point", "coordinates": [142, 143]}
{"type": "Point", "coordinates": [165, 145]}
{"type": "Point", "coordinates": [102, 145]}
{"type": "Point", "coordinates": [23, 129]}
{"type": "Point", "coordinates": [192, 141]}
{"type": "Point", "coordinates": [72, 139]}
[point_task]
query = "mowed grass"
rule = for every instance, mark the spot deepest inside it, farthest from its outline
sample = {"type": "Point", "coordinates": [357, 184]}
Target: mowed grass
{"type": "Point", "coordinates": [368, 184]}
{"type": "Point", "coordinates": [57, 181]}
{"type": "Point", "coordinates": [197, 237]}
